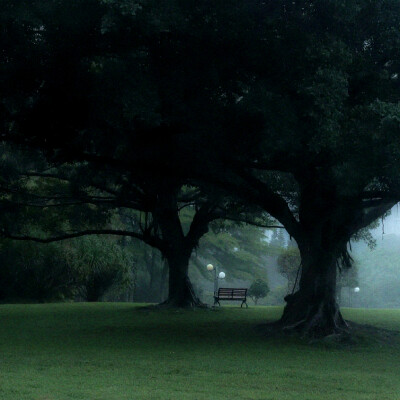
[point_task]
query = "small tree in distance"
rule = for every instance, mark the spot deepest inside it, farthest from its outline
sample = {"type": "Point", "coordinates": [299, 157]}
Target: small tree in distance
{"type": "Point", "coordinates": [288, 264]}
{"type": "Point", "coordinates": [258, 290]}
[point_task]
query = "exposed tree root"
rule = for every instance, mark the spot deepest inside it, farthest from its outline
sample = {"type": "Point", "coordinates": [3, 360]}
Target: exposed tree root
{"type": "Point", "coordinates": [354, 335]}
{"type": "Point", "coordinates": [186, 299]}
{"type": "Point", "coordinates": [313, 319]}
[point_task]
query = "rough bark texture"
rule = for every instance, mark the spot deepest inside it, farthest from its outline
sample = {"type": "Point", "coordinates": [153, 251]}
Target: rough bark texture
{"type": "Point", "coordinates": [322, 238]}
{"type": "Point", "coordinates": [181, 292]}
{"type": "Point", "coordinates": [313, 310]}
{"type": "Point", "coordinates": [178, 250]}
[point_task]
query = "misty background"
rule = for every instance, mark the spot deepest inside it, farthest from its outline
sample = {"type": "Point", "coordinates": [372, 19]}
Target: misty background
{"type": "Point", "coordinates": [111, 269]}
{"type": "Point", "coordinates": [375, 272]}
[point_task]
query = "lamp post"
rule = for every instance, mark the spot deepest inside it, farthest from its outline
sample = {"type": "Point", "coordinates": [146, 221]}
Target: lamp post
{"type": "Point", "coordinates": [354, 290]}
{"type": "Point", "coordinates": [217, 276]}
{"type": "Point", "coordinates": [210, 268]}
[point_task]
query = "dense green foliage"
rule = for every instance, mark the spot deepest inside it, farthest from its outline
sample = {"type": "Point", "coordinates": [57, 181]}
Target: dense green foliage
{"type": "Point", "coordinates": [238, 249]}
{"type": "Point", "coordinates": [119, 352]}
{"type": "Point", "coordinates": [289, 264]}
{"type": "Point", "coordinates": [258, 290]}
{"type": "Point", "coordinates": [100, 264]}
{"type": "Point", "coordinates": [80, 269]}
{"type": "Point", "coordinates": [31, 272]}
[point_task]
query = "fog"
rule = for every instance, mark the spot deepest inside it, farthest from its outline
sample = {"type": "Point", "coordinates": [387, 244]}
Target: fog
{"type": "Point", "coordinates": [377, 270]}
{"type": "Point", "coordinates": [389, 226]}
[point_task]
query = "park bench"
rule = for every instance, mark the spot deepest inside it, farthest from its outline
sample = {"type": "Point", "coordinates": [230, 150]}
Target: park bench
{"type": "Point", "coordinates": [231, 294]}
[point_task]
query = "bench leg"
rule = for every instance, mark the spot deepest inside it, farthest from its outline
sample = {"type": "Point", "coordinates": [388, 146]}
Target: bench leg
{"type": "Point", "coordinates": [244, 302]}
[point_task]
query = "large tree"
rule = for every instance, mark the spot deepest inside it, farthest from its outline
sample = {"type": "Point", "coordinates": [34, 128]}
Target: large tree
{"type": "Point", "coordinates": [63, 204]}
{"type": "Point", "coordinates": [324, 145]}
{"type": "Point", "coordinates": [81, 87]}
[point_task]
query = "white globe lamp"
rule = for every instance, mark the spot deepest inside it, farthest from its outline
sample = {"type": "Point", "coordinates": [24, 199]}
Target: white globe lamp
{"type": "Point", "coordinates": [221, 275]}
{"type": "Point", "coordinates": [356, 289]}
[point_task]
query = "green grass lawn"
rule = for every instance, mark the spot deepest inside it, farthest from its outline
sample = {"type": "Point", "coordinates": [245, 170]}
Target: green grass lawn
{"type": "Point", "coordinates": [117, 351]}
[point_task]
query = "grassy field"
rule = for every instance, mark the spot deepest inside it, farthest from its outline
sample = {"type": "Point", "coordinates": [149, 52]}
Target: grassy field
{"type": "Point", "coordinates": [117, 351]}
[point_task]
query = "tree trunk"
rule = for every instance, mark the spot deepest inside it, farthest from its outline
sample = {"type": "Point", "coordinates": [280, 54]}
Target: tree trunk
{"type": "Point", "coordinates": [181, 293]}
{"type": "Point", "coordinates": [163, 280]}
{"type": "Point", "coordinates": [93, 293]}
{"type": "Point", "coordinates": [177, 252]}
{"type": "Point", "coordinates": [313, 310]}
{"type": "Point", "coordinates": [152, 272]}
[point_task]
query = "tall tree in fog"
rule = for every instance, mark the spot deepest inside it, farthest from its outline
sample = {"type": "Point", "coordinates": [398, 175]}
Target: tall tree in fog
{"type": "Point", "coordinates": [319, 114]}
{"type": "Point", "coordinates": [84, 82]}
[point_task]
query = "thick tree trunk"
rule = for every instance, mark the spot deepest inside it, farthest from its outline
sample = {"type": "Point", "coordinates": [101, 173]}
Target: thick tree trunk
{"type": "Point", "coordinates": [163, 288]}
{"type": "Point", "coordinates": [152, 272]}
{"type": "Point", "coordinates": [178, 250]}
{"type": "Point", "coordinates": [181, 293]}
{"type": "Point", "coordinates": [312, 310]}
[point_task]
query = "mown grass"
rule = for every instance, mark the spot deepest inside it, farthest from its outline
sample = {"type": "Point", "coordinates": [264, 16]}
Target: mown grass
{"type": "Point", "coordinates": [119, 351]}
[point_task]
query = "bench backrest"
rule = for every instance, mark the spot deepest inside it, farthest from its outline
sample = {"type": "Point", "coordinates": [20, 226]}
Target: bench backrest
{"type": "Point", "coordinates": [229, 293]}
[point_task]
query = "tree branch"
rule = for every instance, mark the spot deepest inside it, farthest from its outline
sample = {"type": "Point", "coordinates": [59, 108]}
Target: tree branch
{"type": "Point", "coordinates": [249, 188]}
{"type": "Point", "coordinates": [150, 240]}
{"type": "Point", "coordinates": [367, 217]}
{"type": "Point", "coordinates": [253, 223]}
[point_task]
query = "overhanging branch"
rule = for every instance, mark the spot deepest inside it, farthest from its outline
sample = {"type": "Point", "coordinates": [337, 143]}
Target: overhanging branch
{"type": "Point", "coordinates": [150, 240]}
{"type": "Point", "coordinates": [368, 216]}
{"type": "Point", "coordinates": [253, 223]}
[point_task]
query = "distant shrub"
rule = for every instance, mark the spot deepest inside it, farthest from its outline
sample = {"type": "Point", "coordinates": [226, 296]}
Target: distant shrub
{"type": "Point", "coordinates": [258, 290]}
